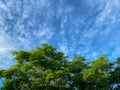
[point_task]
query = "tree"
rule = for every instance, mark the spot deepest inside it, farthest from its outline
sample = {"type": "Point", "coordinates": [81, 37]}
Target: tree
{"type": "Point", "coordinates": [45, 68]}
{"type": "Point", "coordinates": [76, 67]}
{"type": "Point", "coordinates": [97, 74]}
{"type": "Point", "coordinates": [34, 69]}
{"type": "Point", "coordinates": [115, 73]}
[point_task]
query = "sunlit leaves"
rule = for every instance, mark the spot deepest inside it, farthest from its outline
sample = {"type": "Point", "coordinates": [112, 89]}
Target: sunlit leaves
{"type": "Point", "coordinates": [45, 68]}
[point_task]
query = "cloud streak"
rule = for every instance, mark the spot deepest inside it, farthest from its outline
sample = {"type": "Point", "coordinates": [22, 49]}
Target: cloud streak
{"type": "Point", "coordinates": [89, 28]}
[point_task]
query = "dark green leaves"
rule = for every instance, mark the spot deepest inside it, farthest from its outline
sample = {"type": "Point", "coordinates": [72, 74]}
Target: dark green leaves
{"type": "Point", "coordinates": [44, 68]}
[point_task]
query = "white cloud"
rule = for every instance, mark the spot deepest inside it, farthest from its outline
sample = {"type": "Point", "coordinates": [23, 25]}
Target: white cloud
{"type": "Point", "coordinates": [37, 21]}
{"type": "Point", "coordinates": [63, 47]}
{"type": "Point", "coordinates": [6, 47]}
{"type": "Point", "coordinates": [3, 6]}
{"type": "Point", "coordinates": [5, 43]}
{"type": "Point", "coordinates": [110, 13]}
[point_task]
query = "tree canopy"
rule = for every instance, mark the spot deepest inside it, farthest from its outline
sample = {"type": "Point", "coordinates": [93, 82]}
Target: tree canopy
{"type": "Point", "coordinates": [45, 68]}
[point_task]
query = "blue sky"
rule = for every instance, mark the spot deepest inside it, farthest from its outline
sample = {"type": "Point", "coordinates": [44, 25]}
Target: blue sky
{"type": "Point", "coordinates": [86, 27]}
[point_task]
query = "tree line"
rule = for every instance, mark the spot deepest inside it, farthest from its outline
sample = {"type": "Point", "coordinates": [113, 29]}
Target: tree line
{"type": "Point", "coordinates": [45, 68]}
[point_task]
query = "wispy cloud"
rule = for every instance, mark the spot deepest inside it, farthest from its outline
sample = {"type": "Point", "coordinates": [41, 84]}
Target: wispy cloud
{"type": "Point", "coordinates": [89, 28]}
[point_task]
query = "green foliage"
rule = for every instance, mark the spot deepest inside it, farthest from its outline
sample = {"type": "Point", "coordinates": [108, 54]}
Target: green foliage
{"type": "Point", "coordinates": [98, 73]}
{"type": "Point", "coordinates": [44, 68]}
{"type": "Point", "coordinates": [115, 74]}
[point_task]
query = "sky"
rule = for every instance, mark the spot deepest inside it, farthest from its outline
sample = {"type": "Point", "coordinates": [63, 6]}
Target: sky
{"type": "Point", "coordinates": [86, 27]}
